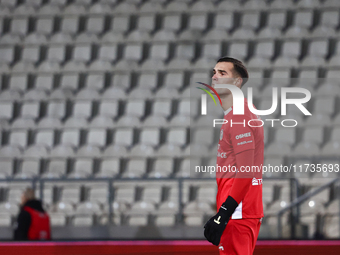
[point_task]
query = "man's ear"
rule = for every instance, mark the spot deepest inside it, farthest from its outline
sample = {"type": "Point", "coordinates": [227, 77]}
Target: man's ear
{"type": "Point", "coordinates": [238, 82]}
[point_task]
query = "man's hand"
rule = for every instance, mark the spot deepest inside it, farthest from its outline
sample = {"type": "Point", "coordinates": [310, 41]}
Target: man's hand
{"type": "Point", "coordinates": [214, 228]}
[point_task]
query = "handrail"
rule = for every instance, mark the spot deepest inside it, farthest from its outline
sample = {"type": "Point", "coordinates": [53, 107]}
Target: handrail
{"type": "Point", "coordinates": [307, 195]}
{"type": "Point", "coordinates": [112, 180]}
{"type": "Point", "coordinates": [300, 200]}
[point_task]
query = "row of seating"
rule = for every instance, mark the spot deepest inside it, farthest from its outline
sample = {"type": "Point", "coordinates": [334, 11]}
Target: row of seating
{"type": "Point", "coordinates": [79, 134]}
{"type": "Point", "coordinates": [163, 197]}
{"type": "Point", "coordinates": [275, 149]}
{"type": "Point", "coordinates": [330, 226]}
{"type": "Point", "coordinates": [49, 21]}
{"type": "Point", "coordinates": [89, 212]}
{"type": "Point", "coordinates": [141, 6]}
{"type": "Point", "coordinates": [154, 81]}
{"type": "Point", "coordinates": [162, 167]}
{"type": "Point", "coordinates": [113, 52]}
{"type": "Point", "coordinates": [105, 112]}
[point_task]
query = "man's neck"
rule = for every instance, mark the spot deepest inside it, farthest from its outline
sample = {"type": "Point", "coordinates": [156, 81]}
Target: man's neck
{"type": "Point", "coordinates": [227, 101]}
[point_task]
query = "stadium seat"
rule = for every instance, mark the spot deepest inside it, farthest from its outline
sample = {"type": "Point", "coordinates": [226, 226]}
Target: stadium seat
{"type": "Point", "coordinates": [125, 194]}
{"type": "Point", "coordinates": [155, 121]}
{"type": "Point", "coordinates": [308, 78]}
{"type": "Point", "coordinates": [289, 55]}
{"type": "Point", "coordinates": [303, 20]}
{"type": "Point", "coordinates": [318, 120]}
{"type": "Point", "coordinates": [55, 168]}
{"type": "Point", "coordinates": [69, 24]}
{"type": "Point", "coordinates": [70, 137]}
{"type": "Point", "coordinates": [83, 168]}
{"type": "Point", "coordinates": [167, 207]}
{"type": "Point", "coordinates": [65, 208]}
{"type": "Point", "coordinates": [172, 22]}
{"type": "Point", "coordinates": [120, 23]}
{"type": "Point", "coordinates": [107, 53]}
{"type": "Point", "coordinates": [331, 226]}
{"type": "Point", "coordinates": [125, 8]}
{"type": "Point", "coordinates": [99, 66]}
{"type": "Point", "coordinates": [97, 137]}
{"type": "Point", "coordinates": [56, 53]}
{"type": "Point", "coordinates": [162, 108]}
{"type": "Point", "coordinates": [9, 208]}
{"type": "Point", "coordinates": [8, 3]}
{"type": "Point", "coordinates": [135, 108]}
{"type": "Point", "coordinates": [6, 167]}
{"type": "Point", "coordinates": [135, 168]}
{"type": "Point", "coordinates": [324, 105]}
{"type": "Point", "coordinates": [19, 25]}
{"type": "Point", "coordinates": [163, 167]}
{"type": "Point", "coordinates": [9, 39]}
{"type": "Point", "coordinates": [57, 219]}
{"type": "Point", "coordinates": [264, 52]}
{"type": "Point", "coordinates": [95, 24]}
{"type": "Point", "coordinates": [239, 50]}
{"type": "Point", "coordinates": [44, 25]}
{"type": "Point", "coordinates": [132, 55]}
{"type": "Point", "coordinates": [176, 7]}
{"type": "Point", "coordinates": [177, 136]}
{"type": "Point", "coordinates": [203, 136]}
{"type": "Point", "coordinates": [318, 50]}
{"type": "Point", "coordinates": [14, 194]}
{"type": "Point", "coordinates": [306, 149]}
{"type": "Point", "coordinates": [19, 138]}
{"type": "Point", "coordinates": [277, 149]}
{"type": "Point", "coordinates": [165, 220]}
{"type": "Point", "coordinates": [70, 194]}
{"type": "Point", "coordinates": [206, 192]}
{"type": "Point", "coordinates": [48, 194]}
{"type": "Point", "coordinates": [152, 193]}
{"type": "Point", "coordinates": [62, 151]}
{"type": "Point", "coordinates": [109, 167]}
{"type": "Point", "coordinates": [45, 137]}
{"type": "Point", "coordinates": [6, 55]}
{"type": "Point", "coordinates": [89, 151]}
{"type": "Point", "coordinates": [146, 22]}
{"type": "Point", "coordinates": [224, 21]}
{"type": "Point", "coordinates": [314, 134]}
{"type": "Point", "coordinates": [123, 137]}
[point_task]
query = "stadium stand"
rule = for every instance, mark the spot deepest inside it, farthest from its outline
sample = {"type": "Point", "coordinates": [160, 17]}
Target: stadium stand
{"type": "Point", "coordinates": [100, 89]}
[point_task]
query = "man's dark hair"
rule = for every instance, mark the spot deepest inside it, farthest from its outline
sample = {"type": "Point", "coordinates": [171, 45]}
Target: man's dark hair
{"type": "Point", "coordinates": [238, 67]}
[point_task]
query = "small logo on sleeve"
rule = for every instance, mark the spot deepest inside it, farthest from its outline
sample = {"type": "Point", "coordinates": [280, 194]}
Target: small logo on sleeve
{"type": "Point", "coordinates": [256, 182]}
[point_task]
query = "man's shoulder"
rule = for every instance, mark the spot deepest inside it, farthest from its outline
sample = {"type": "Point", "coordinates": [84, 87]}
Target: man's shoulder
{"type": "Point", "coordinates": [23, 214]}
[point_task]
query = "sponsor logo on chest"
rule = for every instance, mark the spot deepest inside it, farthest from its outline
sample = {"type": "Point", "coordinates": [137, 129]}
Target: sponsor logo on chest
{"type": "Point", "coordinates": [243, 135]}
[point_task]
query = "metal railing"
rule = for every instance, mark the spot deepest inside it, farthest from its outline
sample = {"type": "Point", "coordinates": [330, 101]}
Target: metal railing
{"type": "Point", "coordinates": [111, 181]}
{"type": "Point", "coordinates": [298, 201]}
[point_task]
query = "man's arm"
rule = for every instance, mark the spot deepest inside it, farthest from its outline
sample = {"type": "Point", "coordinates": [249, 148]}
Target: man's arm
{"type": "Point", "coordinates": [24, 222]}
{"type": "Point", "coordinates": [243, 143]}
{"type": "Point", "coordinates": [242, 180]}
{"type": "Point", "coordinates": [214, 228]}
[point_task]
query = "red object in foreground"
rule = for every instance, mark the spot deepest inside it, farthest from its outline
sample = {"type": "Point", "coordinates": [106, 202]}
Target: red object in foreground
{"type": "Point", "coordinates": [163, 247]}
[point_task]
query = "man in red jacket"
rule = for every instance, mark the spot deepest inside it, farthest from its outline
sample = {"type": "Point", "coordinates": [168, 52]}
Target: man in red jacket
{"type": "Point", "coordinates": [33, 222]}
{"type": "Point", "coordinates": [235, 227]}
